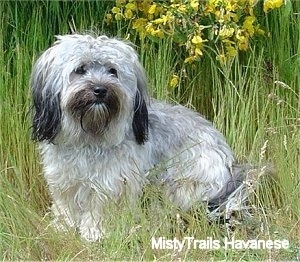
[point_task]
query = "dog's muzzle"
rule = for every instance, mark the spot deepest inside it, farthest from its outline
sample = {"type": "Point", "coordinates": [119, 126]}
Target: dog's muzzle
{"type": "Point", "coordinates": [94, 106]}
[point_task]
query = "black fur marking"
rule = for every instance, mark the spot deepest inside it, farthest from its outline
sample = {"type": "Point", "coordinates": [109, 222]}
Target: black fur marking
{"type": "Point", "coordinates": [47, 116]}
{"type": "Point", "coordinates": [140, 120]}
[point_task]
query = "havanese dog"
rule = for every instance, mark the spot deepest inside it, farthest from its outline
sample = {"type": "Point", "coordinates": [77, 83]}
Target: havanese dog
{"type": "Point", "coordinates": [100, 135]}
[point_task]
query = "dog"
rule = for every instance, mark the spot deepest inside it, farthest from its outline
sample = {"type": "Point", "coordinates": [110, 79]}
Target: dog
{"type": "Point", "coordinates": [100, 135]}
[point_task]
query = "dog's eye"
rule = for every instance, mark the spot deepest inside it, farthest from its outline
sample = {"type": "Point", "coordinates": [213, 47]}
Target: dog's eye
{"type": "Point", "coordinates": [81, 70]}
{"type": "Point", "coordinates": [113, 71]}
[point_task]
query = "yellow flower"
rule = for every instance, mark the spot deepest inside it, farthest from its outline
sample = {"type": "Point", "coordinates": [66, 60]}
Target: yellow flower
{"type": "Point", "coordinates": [243, 45]}
{"type": "Point", "coordinates": [248, 24]}
{"type": "Point", "coordinates": [230, 51]}
{"type": "Point", "coordinates": [164, 19]}
{"type": "Point", "coordinates": [118, 13]}
{"type": "Point", "coordinates": [196, 48]}
{"type": "Point", "coordinates": [232, 23]}
{"type": "Point", "coordinates": [159, 33]}
{"type": "Point", "coordinates": [271, 4]}
{"type": "Point", "coordinates": [150, 30]}
{"type": "Point", "coordinates": [174, 81]}
{"type": "Point", "coordinates": [151, 10]}
{"type": "Point", "coordinates": [198, 52]}
{"type": "Point", "coordinates": [131, 6]}
{"type": "Point", "coordinates": [231, 5]}
{"type": "Point", "coordinates": [116, 10]}
{"type": "Point", "coordinates": [197, 40]}
{"type": "Point", "coordinates": [108, 18]}
{"type": "Point", "coordinates": [242, 40]}
{"type": "Point", "coordinates": [219, 15]}
{"type": "Point", "coordinates": [226, 32]}
{"type": "Point", "coordinates": [139, 23]}
{"type": "Point", "coordinates": [190, 59]}
{"type": "Point", "coordinates": [118, 16]}
{"type": "Point", "coordinates": [143, 6]}
{"type": "Point", "coordinates": [195, 4]}
{"type": "Point", "coordinates": [182, 9]}
{"type": "Point", "coordinates": [128, 14]}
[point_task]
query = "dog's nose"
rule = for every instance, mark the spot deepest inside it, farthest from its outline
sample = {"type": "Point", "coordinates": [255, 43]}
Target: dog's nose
{"type": "Point", "coordinates": [100, 91]}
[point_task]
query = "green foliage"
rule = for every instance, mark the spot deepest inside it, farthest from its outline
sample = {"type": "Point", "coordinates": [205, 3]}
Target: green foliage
{"type": "Point", "coordinates": [226, 26]}
{"type": "Point", "coordinates": [253, 99]}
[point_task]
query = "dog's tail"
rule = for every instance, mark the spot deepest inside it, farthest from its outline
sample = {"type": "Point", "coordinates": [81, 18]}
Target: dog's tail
{"type": "Point", "coordinates": [235, 195]}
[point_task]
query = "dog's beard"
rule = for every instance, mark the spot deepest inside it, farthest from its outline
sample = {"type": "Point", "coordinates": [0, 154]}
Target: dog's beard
{"type": "Point", "coordinates": [95, 118]}
{"type": "Point", "coordinates": [94, 115]}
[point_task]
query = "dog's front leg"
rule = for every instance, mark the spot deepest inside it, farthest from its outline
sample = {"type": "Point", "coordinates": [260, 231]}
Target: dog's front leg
{"type": "Point", "coordinates": [90, 226]}
{"type": "Point", "coordinates": [63, 216]}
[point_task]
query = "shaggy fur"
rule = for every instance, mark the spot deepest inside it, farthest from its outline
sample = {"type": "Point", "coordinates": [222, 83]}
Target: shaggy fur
{"type": "Point", "coordinates": [99, 135]}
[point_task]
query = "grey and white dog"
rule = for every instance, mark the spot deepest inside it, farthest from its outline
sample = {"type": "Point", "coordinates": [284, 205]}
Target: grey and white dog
{"type": "Point", "coordinates": [100, 134]}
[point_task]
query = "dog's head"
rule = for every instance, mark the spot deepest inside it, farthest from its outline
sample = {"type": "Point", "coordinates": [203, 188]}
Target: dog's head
{"type": "Point", "coordinates": [87, 86]}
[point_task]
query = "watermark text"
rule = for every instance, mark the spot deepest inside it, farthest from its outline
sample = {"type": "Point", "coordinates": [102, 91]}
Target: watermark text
{"type": "Point", "coordinates": [212, 244]}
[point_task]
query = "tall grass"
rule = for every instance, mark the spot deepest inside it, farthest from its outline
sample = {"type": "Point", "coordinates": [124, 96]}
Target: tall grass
{"type": "Point", "coordinates": [253, 100]}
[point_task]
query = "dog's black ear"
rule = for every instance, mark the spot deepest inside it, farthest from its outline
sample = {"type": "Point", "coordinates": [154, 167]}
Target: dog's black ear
{"type": "Point", "coordinates": [140, 119]}
{"type": "Point", "coordinates": [46, 106]}
{"type": "Point", "coordinates": [140, 116]}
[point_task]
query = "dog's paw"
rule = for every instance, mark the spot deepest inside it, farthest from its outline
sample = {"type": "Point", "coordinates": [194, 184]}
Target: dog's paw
{"type": "Point", "coordinates": [92, 234]}
{"type": "Point", "coordinates": [62, 225]}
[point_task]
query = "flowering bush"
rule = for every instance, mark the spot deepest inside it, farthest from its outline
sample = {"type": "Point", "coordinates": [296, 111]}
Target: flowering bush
{"type": "Point", "coordinates": [225, 25]}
